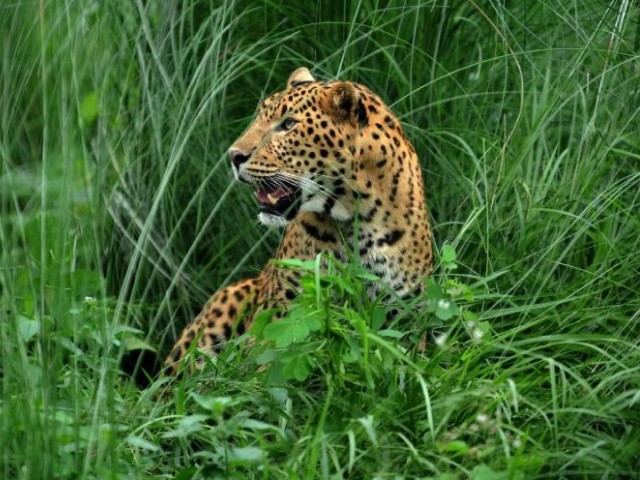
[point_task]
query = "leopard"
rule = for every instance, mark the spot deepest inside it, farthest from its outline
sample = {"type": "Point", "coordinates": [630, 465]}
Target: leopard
{"type": "Point", "coordinates": [321, 157]}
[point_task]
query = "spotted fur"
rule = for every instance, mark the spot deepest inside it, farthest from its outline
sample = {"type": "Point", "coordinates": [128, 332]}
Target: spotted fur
{"type": "Point", "coordinates": [319, 154]}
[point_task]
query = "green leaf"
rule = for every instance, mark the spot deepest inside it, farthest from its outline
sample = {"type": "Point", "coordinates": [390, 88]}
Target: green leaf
{"type": "Point", "coordinates": [484, 472]}
{"type": "Point", "coordinates": [252, 424]}
{"type": "Point", "coordinates": [260, 321]}
{"type": "Point", "coordinates": [455, 446]}
{"type": "Point", "coordinates": [27, 328]}
{"type": "Point", "coordinates": [186, 473]}
{"type": "Point", "coordinates": [215, 405]}
{"type": "Point", "coordinates": [484, 327]}
{"type": "Point", "coordinates": [279, 333]}
{"type": "Point", "coordinates": [188, 425]}
{"type": "Point", "coordinates": [434, 292]}
{"type": "Point", "coordinates": [284, 332]}
{"type": "Point", "coordinates": [313, 320]}
{"type": "Point", "coordinates": [448, 254]}
{"type": "Point", "coordinates": [279, 394]}
{"type": "Point", "coordinates": [367, 276]}
{"type": "Point", "coordinates": [266, 357]}
{"type": "Point", "coordinates": [297, 369]}
{"type": "Point", "coordinates": [140, 442]}
{"type": "Point", "coordinates": [298, 331]}
{"type": "Point", "coordinates": [294, 263]}
{"type": "Point", "coordinates": [350, 356]}
{"type": "Point", "coordinates": [89, 108]}
{"type": "Point", "coordinates": [469, 316]}
{"type": "Point", "coordinates": [131, 342]}
{"type": "Point", "coordinates": [391, 333]}
{"type": "Point", "coordinates": [242, 455]}
{"type": "Point", "coordinates": [296, 326]}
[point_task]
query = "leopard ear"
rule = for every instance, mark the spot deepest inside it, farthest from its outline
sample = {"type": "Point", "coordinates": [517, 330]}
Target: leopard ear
{"type": "Point", "coordinates": [300, 75]}
{"type": "Point", "coordinates": [343, 103]}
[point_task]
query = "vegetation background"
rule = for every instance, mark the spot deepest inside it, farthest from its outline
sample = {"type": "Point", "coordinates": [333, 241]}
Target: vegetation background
{"type": "Point", "coordinates": [118, 217]}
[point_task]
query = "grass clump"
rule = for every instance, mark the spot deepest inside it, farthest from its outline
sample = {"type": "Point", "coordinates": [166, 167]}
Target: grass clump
{"type": "Point", "coordinates": [118, 218]}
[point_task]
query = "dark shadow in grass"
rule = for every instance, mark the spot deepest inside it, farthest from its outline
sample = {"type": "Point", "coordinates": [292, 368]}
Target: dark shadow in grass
{"type": "Point", "coordinates": [142, 366]}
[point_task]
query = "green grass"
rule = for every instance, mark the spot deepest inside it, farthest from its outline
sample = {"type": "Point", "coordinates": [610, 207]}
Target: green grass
{"type": "Point", "coordinates": [118, 217]}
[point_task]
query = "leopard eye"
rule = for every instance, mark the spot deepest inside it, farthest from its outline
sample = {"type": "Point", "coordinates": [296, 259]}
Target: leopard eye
{"type": "Point", "coordinates": [287, 124]}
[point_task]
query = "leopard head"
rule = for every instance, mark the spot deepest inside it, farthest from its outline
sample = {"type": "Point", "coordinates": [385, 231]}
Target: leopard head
{"type": "Point", "coordinates": [298, 153]}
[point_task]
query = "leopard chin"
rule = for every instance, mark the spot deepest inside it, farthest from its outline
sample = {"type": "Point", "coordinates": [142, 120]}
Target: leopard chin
{"type": "Point", "coordinates": [271, 220]}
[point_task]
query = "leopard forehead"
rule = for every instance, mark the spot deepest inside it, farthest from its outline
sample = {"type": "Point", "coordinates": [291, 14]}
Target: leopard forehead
{"type": "Point", "coordinates": [294, 100]}
{"type": "Point", "coordinates": [308, 103]}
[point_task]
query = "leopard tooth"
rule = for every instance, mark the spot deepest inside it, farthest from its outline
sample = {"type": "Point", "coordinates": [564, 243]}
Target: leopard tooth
{"type": "Point", "coordinates": [272, 200]}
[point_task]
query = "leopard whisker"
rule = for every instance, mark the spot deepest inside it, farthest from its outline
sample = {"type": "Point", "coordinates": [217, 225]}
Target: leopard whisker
{"type": "Point", "coordinates": [307, 182]}
{"type": "Point", "coordinates": [313, 185]}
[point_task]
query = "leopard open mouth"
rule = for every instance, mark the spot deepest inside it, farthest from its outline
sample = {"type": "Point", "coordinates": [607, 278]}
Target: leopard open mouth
{"type": "Point", "coordinates": [278, 198]}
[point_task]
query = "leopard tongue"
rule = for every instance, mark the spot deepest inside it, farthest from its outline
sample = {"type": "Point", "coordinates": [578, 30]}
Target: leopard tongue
{"type": "Point", "coordinates": [272, 197]}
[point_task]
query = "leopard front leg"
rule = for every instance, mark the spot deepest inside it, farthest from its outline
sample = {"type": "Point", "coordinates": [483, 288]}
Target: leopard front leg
{"type": "Point", "coordinates": [216, 322]}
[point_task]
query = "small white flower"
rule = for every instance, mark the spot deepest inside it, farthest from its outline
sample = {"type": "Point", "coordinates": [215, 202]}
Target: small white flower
{"type": "Point", "coordinates": [477, 334]}
{"type": "Point", "coordinates": [470, 324]}
{"type": "Point", "coordinates": [88, 300]}
{"type": "Point", "coordinates": [517, 443]}
{"type": "Point", "coordinates": [444, 304]}
{"type": "Point", "coordinates": [440, 340]}
{"type": "Point", "coordinates": [482, 418]}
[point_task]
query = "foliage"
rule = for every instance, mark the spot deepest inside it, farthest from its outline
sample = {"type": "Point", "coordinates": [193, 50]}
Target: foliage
{"type": "Point", "coordinates": [118, 218]}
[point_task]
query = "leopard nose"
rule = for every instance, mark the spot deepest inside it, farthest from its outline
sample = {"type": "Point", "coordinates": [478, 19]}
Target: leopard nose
{"type": "Point", "coordinates": [237, 157]}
